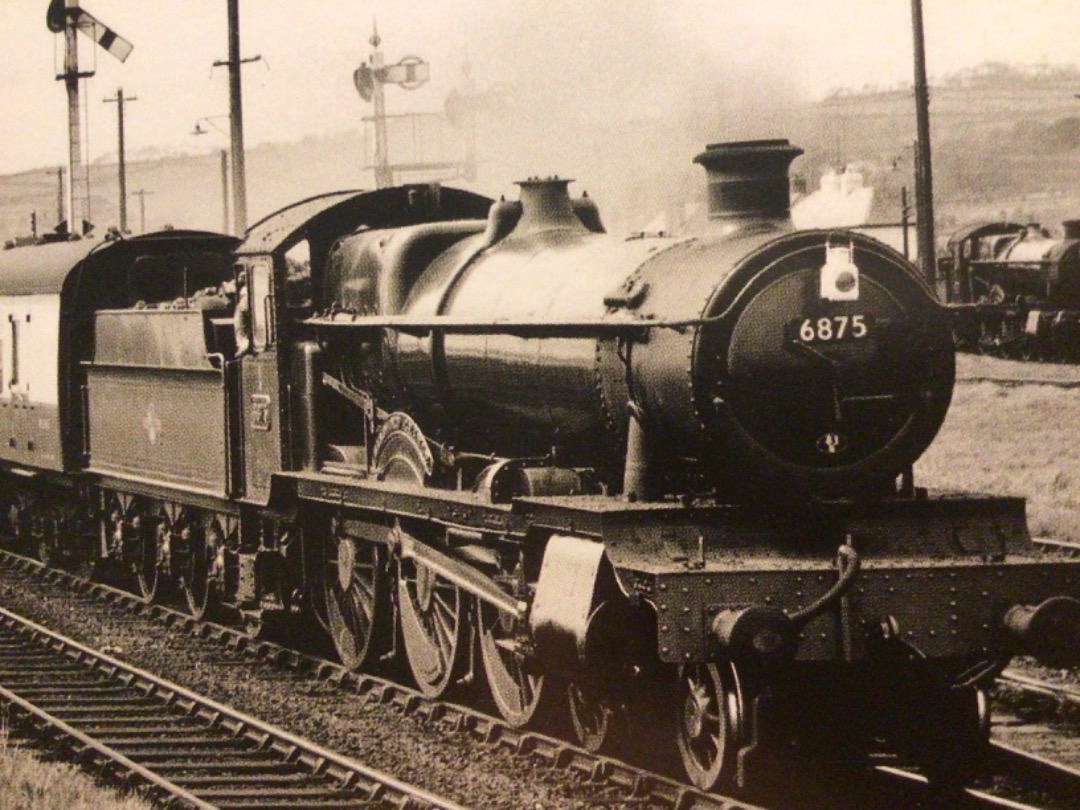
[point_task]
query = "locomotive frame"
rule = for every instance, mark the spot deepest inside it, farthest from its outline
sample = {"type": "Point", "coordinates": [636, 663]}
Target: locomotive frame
{"type": "Point", "coordinates": [570, 554]}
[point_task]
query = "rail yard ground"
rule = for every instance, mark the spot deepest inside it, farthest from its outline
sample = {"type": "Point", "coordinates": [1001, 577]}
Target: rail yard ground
{"type": "Point", "coordinates": [1013, 439]}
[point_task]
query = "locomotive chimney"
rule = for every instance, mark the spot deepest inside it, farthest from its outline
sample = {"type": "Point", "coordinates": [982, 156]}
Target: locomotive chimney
{"type": "Point", "coordinates": [1072, 228]}
{"type": "Point", "coordinates": [545, 204]}
{"type": "Point", "coordinates": [749, 179]}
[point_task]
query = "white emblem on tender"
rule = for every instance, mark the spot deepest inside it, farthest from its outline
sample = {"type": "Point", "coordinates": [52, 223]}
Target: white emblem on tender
{"type": "Point", "coordinates": [152, 425]}
{"type": "Point", "coordinates": [839, 274]}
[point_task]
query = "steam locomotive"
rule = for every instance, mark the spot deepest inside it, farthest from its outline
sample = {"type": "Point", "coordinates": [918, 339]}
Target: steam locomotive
{"type": "Point", "coordinates": [609, 476]}
{"type": "Point", "coordinates": [1016, 290]}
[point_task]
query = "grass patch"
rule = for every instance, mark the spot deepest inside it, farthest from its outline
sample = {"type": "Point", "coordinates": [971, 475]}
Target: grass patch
{"type": "Point", "coordinates": [1019, 440]}
{"type": "Point", "coordinates": [29, 783]}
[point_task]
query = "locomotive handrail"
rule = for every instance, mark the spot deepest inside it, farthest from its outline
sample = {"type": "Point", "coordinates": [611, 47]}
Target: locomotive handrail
{"type": "Point", "coordinates": [524, 328]}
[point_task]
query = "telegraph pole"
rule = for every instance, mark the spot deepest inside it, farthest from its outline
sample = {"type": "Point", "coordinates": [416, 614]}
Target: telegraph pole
{"type": "Point", "coordinates": [224, 191]}
{"type": "Point", "coordinates": [198, 130]}
{"type": "Point", "coordinates": [236, 117]}
{"type": "Point", "coordinates": [61, 188]}
{"type": "Point", "coordinates": [141, 194]}
{"type": "Point", "coordinates": [924, 182]}
{"type": "Point", "coordinates": [119, 100]}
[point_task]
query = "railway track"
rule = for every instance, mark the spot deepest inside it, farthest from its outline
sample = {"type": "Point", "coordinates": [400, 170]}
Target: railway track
{"type": "Point", "coordinates": [1000, 371]}
{"type": "Point", "coordinates": [615, 781]}
{"type": "Point", "coordinates": [1039, 776]}
{"type": "Point", "coordinates": [1018, 381]}
{"type": "Point", "coordinates": [1066, 547]}
{"type": "Point", "coordinates": [181, 748]}
{"type": "Point", "coordinates": [1061, 693]}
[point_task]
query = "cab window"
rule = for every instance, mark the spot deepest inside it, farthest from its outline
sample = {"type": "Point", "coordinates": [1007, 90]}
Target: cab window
{"type": "Point", "coordinates": [261, 302]}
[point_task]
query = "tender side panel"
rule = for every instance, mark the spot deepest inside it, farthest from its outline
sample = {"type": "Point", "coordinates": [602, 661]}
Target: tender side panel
{"type": "Point", "coordinates": [29, 415]}
{"type": "Point", "coordinates": [156, 404]}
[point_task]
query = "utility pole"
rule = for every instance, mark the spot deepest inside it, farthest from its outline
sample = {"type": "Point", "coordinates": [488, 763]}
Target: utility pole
{"type": "Point", "coordinates": [61, 188]}
{"type": "Point", "coordinates": [141, 194]}
{"type": "Point", "coordinates": [236, 117]}
{"type": "Point", "coordinates": [199, 130]}
{"type": "Point", "coordinates": [224, 191]}
{"type": "Point", "coordinates": [119, 100]}
{"type": "Point", "coordinates": [924, 182]}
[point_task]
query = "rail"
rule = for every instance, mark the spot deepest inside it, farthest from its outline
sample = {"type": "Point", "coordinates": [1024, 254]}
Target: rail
{"type": "Point", "coordinates": [178, 744]}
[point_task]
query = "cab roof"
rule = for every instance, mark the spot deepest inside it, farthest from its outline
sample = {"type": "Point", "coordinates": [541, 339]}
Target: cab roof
{"type": "Point", "coordinates": [44, 268]}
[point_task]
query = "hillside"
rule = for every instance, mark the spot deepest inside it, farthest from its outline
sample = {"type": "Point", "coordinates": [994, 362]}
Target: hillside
{"type": "Point", "coordinates": [1006, 142]}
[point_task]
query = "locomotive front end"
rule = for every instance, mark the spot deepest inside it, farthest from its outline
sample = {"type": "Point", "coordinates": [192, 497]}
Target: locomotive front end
{"type": "Point", "coordinates": [823, 365]}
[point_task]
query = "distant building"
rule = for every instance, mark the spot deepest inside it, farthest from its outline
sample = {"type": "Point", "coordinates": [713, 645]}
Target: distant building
{"type": "Point", "coordinates": [844, 200]}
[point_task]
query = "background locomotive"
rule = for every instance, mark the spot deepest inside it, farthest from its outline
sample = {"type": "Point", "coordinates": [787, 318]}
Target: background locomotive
{"type": "Point", "coordinates": [502, 445]}
{"type": "Point", "coordinates": [1016, 290]}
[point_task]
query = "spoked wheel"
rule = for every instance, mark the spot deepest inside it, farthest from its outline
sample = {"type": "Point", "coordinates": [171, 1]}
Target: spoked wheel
{"type": "Point", "coordinates": [432, 612]}
{"type": "Point", "coordinates": [709, 716]}
{"type": "Point", "coordinates": [198, 581]}
{"type": "Point", "coordinates": [433, 626]}
{"type": "Point", "coordinates": [149, 538]}
{"type": "Point", "coordinates": [596, 715]}
{"type": "Point", "coordinates": [515, 687]}
{"type": "Point", "coordinates": [356, 597]}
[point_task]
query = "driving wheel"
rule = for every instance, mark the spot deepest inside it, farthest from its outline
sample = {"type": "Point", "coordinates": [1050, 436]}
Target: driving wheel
{"type": "Point", "coordinates": [596, 714]}
{"type": "Point", "coordinates": [355, 596]}
{"type": "Point", "coordinates": [432, 614]}
{"type": "Point", "coordinates": [516, 685]}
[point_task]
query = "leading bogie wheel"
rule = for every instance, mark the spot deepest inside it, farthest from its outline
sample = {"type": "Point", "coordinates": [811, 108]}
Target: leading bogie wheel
{"type": "Point", "coordinates": [709, 717]}
{"type": "Point", "coordinates": [356, 599]}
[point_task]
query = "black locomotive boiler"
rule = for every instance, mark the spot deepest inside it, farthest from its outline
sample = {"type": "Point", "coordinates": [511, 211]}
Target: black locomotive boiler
{"type": "Point", "coordinates": [618, 476]}
{"type": "Point", "coordinates": [1015, 290]}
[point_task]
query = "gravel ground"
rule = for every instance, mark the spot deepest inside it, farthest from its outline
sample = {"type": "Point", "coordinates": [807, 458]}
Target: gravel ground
{"type": "Point", "coordinates": [448, 764]}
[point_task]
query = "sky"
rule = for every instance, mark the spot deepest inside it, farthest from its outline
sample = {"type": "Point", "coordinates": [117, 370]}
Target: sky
{"type": "Point", "coordinates": [620, 58]}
